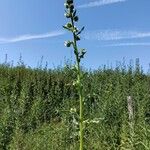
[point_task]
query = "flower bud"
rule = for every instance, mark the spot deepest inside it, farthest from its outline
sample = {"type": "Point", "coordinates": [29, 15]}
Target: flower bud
{"type": "Point", "coordinates": [67, 15]}
{"type": "Point", "coordinates": [71, 6]}
{"type": "Point", "coordinates": [69, 25]}
{"type": "Point", "coordinates": [82, 53]}
{"type": "Point", "coordinates": [66, 5]}
{"type": "Point", "coordinates": [76, 83]}
{"type": "Point", "coordinates": [71, 10]}
{"type": "Point", "coordinates": [67, 43]}
{"type": "Point", "coordinates": [73, 110]}
{"type": "Point", "coordinates": [75, 29]}
{"type": "Point", "coordinates": [76, 18]}
{"type": "Point", "coordinates": [69, 1]}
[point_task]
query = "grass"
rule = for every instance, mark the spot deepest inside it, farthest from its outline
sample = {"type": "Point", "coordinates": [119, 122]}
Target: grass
{"type": "Point", "coordinates": [35, 108]}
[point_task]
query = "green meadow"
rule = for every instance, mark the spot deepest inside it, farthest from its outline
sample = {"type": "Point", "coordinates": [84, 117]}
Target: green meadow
{"type": "Point", "coordinates": [35, 108]}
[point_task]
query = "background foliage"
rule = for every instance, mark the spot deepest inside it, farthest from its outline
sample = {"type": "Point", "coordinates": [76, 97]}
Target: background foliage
{"type": "Point", "coordinates": [35, 108]}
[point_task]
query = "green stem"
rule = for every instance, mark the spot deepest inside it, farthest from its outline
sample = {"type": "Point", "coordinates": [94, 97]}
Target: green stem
{"type": "Point", "coordinates": [80, 90]}
{"type": "Point", "coordinates": [81, 120]}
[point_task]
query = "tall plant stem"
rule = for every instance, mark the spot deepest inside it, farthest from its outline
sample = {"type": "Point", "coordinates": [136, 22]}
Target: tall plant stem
{"type": "Point", "coordinates": [81, 120]}
{"type": "Point", "coordinates": [80, 89]}
{"type": "Point", "coordinates": [79, 54]}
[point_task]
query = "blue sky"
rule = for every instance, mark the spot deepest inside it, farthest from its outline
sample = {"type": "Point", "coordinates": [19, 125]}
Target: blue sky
{"type": "Point", "coordinates": [114, 29]}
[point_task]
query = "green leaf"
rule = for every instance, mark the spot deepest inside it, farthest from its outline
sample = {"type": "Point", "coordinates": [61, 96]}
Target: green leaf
{"type": "Point", "coordinates": [65, 27]}
{"type": "Point", "coordinates": [80, 31]}
{"type": "Point", "coordinates": [69, 29]}
{"type": "Point", "coordinates": [74, 13]}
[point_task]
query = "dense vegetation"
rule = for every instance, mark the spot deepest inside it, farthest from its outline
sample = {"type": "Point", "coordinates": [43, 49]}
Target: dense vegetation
{"type": "Point", "coordinates": [35, 108]}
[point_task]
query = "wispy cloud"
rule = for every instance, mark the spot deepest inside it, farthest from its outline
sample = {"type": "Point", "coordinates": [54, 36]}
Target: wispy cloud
{"type": "Point", "coordinates": [127, 44]}
{"type": "Point", "coordinates": [30, 37]}
{"type": "Point", "coordinates": [100, 3]}
{"type": "Point", "coordinates": [109, 35]}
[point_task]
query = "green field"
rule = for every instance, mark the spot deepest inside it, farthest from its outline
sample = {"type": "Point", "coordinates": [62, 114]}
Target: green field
{"type": "Point", "coordinates": [35, 108]}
